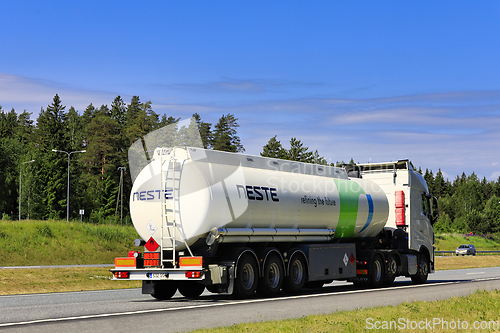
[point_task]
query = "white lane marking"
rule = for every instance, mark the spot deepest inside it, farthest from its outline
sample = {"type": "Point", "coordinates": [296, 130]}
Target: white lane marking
{"type": "Point", "coordinates": [475, 273]}
{"type": "Point", "coordinates": [104, 315]}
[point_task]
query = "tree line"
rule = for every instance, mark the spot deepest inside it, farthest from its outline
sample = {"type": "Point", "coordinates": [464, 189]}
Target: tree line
{"type": "Point", "coordinates": [31, 162]}
{"type": "Point", "coordinates": [466, 204]}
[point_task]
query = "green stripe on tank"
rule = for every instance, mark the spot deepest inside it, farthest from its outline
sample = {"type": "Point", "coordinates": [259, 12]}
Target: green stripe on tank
{"type": "Point", "coordinates": [349, 192]}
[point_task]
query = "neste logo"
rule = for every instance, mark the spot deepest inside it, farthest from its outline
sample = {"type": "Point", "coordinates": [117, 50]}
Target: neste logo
{"type": "Point", "coordinates": [258, 193]}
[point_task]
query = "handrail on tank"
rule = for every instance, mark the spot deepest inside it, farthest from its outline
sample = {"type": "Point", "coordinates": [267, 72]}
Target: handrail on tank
{"type": "Point", "coordinates": [254, 235]}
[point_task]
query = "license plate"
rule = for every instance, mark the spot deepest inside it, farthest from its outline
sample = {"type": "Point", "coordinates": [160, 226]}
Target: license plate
{"type": "Point", "coordinates": [162, 276]}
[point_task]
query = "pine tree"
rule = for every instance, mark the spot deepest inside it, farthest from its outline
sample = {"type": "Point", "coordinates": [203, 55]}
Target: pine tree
{"type": "Point", "coordinates": [102, 154]}
{"type": "Point", "coordinates": [25, 129]}
{"type": "Point", "coordinates": [8, 123]}
{"type": "Point", "coordinates": [10, 153]}
{"type": "Point", "coordinates": [318, 159]}
{"type": "Point", "coordinates": [51, 167]}
{"type": "Point", "coordinates": [225, 136]}
{"type": "Point", "coordinates": [274, 149]}
{"type": "Point", "coordinates": [440, 186]}
{"type": "Point", "coordinates": [298, 152]}
{"type": "Point", "coordinates": [140, 120]}
{"type": "Point", "coordinates": [205, 131]}
{"type": "Point", "coordinates": [168, 121]}
{"type": "Point", "coordinates": [118, 111]}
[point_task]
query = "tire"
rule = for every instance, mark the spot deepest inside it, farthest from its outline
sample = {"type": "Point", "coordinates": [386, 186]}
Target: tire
{"type": "Point", "coordinates": [164, 290]}
{"type": "Point", "coordinates": [423, 270]}
{"type": "Point", "coordinates": [297, 275]}
{"type": "Point", "coordinates": [392, 269]}
{"type": "Point", "coordinates": [247, 273]}
{"type": "Point", "coordinates": [376, 272]}
{"type": "Point", "coordinates": [191, 289]}
{"type": "Point", "coordinates": [272, 280]}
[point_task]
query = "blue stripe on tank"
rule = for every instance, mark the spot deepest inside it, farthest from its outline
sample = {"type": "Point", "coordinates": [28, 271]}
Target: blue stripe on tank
{"type": "Point", "coordinates": [370, 212]}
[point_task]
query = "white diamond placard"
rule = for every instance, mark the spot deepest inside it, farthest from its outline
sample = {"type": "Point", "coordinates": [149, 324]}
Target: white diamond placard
{"type": "Point", "coordinates": [151, 227]}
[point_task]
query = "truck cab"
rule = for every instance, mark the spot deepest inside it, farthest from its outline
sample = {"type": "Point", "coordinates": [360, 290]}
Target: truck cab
{"type": "Point", "coordinates": [412, 210]}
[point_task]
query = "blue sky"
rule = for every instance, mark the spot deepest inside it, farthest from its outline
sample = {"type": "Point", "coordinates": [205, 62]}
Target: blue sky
{"type": "Point", "coordinates": [372, 80]}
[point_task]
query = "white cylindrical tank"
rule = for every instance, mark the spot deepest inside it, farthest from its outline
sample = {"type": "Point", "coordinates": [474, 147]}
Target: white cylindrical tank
{"type": "Point", "coordinates": [269, 197]}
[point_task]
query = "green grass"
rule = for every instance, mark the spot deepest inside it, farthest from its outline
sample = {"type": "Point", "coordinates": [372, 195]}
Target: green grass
{"type": "Point", "coordinates": [481, 306]}
{"type": "Point", "coordinates": [45, 280]}
{"type": "Point", "coordinates": [450, 242]}
{"type": "Point", "coordinates": [52, 242]}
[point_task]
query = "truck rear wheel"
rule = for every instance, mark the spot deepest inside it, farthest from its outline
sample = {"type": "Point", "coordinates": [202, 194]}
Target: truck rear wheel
{"type": "Point", "coordinates": [245, 282]}
{"type": "Point", "coordinates": [164, 290]}
{"type": "Point", "coordinates": [296, 275]}
{"type": "Point", "coordinates": [392, 269]}
{"type": "Point", "coordinates": [377, 272]}
{"type": "Point", "coordinates": [270, 283]}
{"type": "Point", "coordinates": [191, 289]}
{"type": "Point", "coordinates": [423, 270]}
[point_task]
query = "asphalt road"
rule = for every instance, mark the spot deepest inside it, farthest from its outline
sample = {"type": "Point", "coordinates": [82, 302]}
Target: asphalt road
{"type": "Point", "coordinates": [129, 310]}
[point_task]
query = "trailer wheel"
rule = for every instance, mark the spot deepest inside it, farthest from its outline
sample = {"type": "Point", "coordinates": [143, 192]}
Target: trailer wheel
{"type": "Point", "coordinates": [245, 282]}
{"type": "Point", "coordinates": [164, 290]}
{"type": "Point", "coordinates": [376, 272]}
{"type": "Point", "coordinates": [423, 270]}
{"type": "Point", "coordinates": [191, 289]}
{"type": "Point", "coordinates": [270, 284]}
{"type": "Point", "coordinates": [296, 275]}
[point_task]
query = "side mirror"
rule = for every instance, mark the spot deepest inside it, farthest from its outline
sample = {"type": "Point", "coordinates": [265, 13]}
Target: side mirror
{"type": "Point", "coordinates": [435, 211]}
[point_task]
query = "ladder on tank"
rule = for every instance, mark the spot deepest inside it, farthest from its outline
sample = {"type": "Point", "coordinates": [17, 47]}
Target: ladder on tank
{"type": "Point", "coordinates": [170, 184]}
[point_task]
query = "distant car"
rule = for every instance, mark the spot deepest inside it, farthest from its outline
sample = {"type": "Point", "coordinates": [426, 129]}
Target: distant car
{"type": "Point", "coordinates": [465, 249]}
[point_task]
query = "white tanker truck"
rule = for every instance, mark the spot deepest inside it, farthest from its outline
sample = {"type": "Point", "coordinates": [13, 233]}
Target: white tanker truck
{"type": "Point", "coordinates": [238, 224]}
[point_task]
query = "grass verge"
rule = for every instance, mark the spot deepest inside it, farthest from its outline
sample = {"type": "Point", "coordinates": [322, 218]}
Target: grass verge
{"type": "Point", "coordinates": [29, 243]}
{"type": "Point", "coordinates": [44, 280]}
{"type": "Point", "coordinates": [480, 308]}
{"type": "Point", "coordinates": [450, 242]}
{"type": "Point", "coordinates": [444, 263]}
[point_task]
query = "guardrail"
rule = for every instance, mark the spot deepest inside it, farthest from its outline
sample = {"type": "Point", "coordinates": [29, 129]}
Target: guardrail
{"type": "Point", "coordinates": [452, 253]}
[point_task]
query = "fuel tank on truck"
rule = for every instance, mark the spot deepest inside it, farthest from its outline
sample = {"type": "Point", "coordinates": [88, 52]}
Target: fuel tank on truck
{"type": "Point", "coordinates": [245, 196]}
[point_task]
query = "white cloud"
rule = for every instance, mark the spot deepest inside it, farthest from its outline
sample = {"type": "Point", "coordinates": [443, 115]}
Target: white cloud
{"type": "Point", "coordinates": [30, 94]}
{"type": "Point", "coordinates": [455, 131]}
{"type": "Point", "coordinates": [495, 175]}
